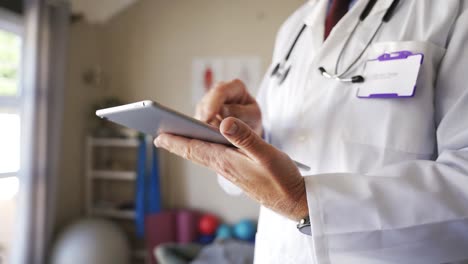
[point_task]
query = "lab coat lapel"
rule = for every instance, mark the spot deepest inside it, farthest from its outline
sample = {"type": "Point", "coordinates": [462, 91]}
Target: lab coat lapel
{"type": "Point", "coordinates": [315, 22]}
{"type": "Point", "coordinates": [329, 51]}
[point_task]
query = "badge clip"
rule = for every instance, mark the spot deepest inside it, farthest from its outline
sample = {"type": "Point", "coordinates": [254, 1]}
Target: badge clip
{"type": "Point", "coordinates": [391, 75]}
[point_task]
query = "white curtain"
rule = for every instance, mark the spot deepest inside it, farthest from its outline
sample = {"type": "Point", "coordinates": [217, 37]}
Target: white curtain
{"type": "Point", "coordinates": [46, 27]}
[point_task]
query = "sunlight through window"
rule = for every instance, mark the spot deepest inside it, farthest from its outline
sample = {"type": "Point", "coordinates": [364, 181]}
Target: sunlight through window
{"type": "Point", "coordinates": [10, 143]}
{"type": "Point", "coordinates": [10, 56]}
{"type": "Point", "coordinates": [8, 188]}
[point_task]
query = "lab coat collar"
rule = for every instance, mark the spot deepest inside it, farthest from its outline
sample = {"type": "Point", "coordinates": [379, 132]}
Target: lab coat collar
{"type": "Point", "coordinates": [316, 18]}
{"type": "Point", "coordinates": [328, 50]}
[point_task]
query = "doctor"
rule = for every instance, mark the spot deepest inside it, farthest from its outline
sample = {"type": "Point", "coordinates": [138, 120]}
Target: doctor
{"type": "Point", "coordinates": [376, 103]}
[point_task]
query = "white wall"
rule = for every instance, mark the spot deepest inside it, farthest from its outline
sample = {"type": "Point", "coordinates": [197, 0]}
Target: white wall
{"type": "Point", "coordinates": [84, 53]}
{"type": "Point", "coordinates": [148, 55]}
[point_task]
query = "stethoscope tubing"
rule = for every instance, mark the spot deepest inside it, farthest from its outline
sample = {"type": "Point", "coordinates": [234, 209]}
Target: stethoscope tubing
{"type": "Point", "coordinates": [339, 76]}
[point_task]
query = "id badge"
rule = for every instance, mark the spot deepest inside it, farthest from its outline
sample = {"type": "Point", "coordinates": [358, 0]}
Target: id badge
{"type": "Point", "coordinates": [391, 75]}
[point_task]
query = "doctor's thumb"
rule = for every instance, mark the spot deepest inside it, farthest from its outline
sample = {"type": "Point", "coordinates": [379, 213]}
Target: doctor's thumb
{"type": "Point", "coordinates": [243, 137]}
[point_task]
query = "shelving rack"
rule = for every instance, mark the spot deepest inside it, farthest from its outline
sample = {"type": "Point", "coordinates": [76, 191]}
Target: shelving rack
{"type": "Point", "coordinates": [108, 176]}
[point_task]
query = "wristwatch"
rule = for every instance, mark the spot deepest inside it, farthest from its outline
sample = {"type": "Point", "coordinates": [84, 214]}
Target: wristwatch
{"type": "Point", "coordinates": [304, 226]}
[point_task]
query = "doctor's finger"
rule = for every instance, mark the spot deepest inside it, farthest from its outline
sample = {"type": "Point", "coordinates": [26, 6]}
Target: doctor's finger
{"type": "Point", "coordinates": [243, 137]}
{"type": "Point", "coordinates": [233, 92]}
{"type": "Point", "coordinates": [248, 113]}
{"type": "Point", "coordinates": [216, 121]}
{"type": "Point", "coordinates": [214, 156]}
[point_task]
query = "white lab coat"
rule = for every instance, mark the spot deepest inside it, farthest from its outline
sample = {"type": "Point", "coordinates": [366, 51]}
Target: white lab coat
{"type": "Point", "coordinates": [389, 177]}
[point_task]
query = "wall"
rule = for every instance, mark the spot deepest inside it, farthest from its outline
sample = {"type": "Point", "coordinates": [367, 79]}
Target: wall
{"type": "Point", "coordinates": [148, 55]}
{"type": "Point", "coordinates": [84, 53]}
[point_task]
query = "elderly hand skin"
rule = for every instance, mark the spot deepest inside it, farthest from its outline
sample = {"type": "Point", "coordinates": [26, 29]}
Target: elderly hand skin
{"type": "Point", "coordinates": [230, 99]}
{"type": "Point", "coordinates": [263, 172]}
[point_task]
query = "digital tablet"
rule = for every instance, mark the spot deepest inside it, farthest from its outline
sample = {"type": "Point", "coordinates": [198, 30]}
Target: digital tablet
{"type": "Point", "coordinates": [152, 118]}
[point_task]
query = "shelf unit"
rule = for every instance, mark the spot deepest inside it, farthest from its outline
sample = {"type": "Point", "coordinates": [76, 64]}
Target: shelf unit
{"type": "Point", "coordinates": [113, 142]}
{"type": "Point", "coordinates": [114, 213]}
{"type": "Point", "coordinates": [114, 175]}
{"type": "Point", "coordinates": [104, 177]}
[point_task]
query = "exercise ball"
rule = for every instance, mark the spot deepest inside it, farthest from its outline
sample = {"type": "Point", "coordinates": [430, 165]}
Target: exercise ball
{"type": "Point", "coordinates": [223, 232]}
{"type": "Point", "coordinates": [208, 224]}
{"type": "Point", "coordinates": [245, 230]}
{"type": "Point", "coordinates": [91, 241]}
{"type": "Point", "coordinates": [206, 239]}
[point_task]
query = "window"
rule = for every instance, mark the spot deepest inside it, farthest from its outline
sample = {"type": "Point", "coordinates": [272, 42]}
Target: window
{"type": "Point", "coordinates": [10, 98]}
{"type": "Point", "coordinates": [10, 51]}
{"type": "Point", "coordinates": [11, 37]}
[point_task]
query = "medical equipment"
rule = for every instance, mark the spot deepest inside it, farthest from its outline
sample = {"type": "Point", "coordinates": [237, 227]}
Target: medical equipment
{"type": "Point", "coordinates": [283, 68]}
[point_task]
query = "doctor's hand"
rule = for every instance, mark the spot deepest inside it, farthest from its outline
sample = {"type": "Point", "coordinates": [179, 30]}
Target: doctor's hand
{"type": "Point", "coordinates": [263, 172]}
{"type": "Point", "coordinates": [230, 99]}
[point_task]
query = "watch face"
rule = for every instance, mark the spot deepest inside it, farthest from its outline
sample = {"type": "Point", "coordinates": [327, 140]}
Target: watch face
{"type": "Point", "coordinates": [306, 230]}
{"type": "Point", "coordinates": [304, 226]}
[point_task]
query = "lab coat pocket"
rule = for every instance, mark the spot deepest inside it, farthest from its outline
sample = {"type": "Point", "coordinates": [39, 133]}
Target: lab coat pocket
{"type": "Point", "coordinates": [399, 124]}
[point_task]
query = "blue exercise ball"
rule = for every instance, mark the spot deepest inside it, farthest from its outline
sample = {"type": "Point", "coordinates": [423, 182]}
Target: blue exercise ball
{"type": "Point", "coordinates": [245, 230]}
{"type": "Point", "coordinates": [223, 232]}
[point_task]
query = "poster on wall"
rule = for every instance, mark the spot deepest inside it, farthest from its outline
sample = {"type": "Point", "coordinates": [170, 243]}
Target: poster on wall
{"type": "Point", "coordinates": [208, 71]}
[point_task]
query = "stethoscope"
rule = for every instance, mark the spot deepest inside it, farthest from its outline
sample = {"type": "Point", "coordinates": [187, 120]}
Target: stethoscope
{"type": "Point", "coordinates": [282, 69]}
